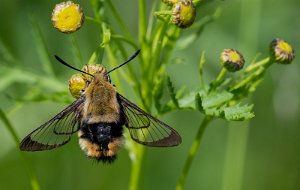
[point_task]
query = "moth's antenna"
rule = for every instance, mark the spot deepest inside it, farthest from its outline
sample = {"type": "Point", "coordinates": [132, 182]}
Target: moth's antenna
{"type": "Point", "coordinates": [131, 58]}
{"type": "Point", "coordinates": [66, 64]}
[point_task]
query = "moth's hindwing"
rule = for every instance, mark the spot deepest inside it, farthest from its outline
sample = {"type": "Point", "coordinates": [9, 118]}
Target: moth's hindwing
{"type": "Point", "coordinates": [146, 129]}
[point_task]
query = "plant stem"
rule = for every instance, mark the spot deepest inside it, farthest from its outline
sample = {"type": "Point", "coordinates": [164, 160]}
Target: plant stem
{"type": "Point", "coordinates": [192, 153]}
{"type": "Point", "coordinates": [119, 19]}
{"type": "Point", "coordinates": [142, 21]}
{"type": "Point", "coordinates": [221, 75]}
{"type": "Point", "coordinates": [91, 19]}
{"type": "Point", "coordinates": [136, 167]}
{"type": "Point", "coordinates": [257, 64]}
{"type": "Point", "coordinates": [33, 179]}
{"type": "Point", "coordinates": [259, 72]}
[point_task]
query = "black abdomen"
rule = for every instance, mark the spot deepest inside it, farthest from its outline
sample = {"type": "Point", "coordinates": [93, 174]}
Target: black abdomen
{"type": "Point", "coordinates": [101, 133]}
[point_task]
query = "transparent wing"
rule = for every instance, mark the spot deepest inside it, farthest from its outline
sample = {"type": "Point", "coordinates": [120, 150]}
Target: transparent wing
{"type": "Point", "coordinates": [145, 129]}
{"type": "Point", "coordinates": [55, 132]}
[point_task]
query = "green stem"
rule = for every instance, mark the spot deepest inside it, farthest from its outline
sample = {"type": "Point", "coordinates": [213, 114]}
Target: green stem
{"type": "Point", "coordinates": [234, 162]}
{"type": "Point", "coordinates": [136, 167]}
{"type": "Point", "coordinates": [254, 75]}
{"type": "Point", "coordinates": [33, 179]}
{"type": "Point", "coordinates": [163, 13]}
{"type": "Point", "coordinates": [192, 153]}
{"type": "Point", "coordinates": [41, 46]}
{"type": "Point", "coordinates": [114, 36]}
{"type": "Point", "coordinates": [142, 21]}
{"type": "Point", "coordinates": [221, 75]}
{"type": "Point", "coordinates": [119, 19]}
{"type": "Point", "coordinates": [91, 19]}
{"type": "Point", "coordinates": [257, 64]}
{"type": "Point", "coordinates": [219, 79]}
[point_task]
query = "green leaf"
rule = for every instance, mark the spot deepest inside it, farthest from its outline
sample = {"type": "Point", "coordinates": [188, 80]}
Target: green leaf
{"type": "Point", "coordinates": [216, 99]}
{"type": "Point", "coordinates": [76, 51]}
{"type": "Point", "coordinates": [238, 113]}
{"type": "Point", "coordinates": [42, 49]}
{"type": "Point", "coordinates": [5, 55]}
{"type": "Point", "coordinates": [198, 102]}
{"type": "Point", "coordinates": [202, 62]}
{"type": "Point", "coordinates": [106, 35]}
{"type": "Point", "coordinates": [188, 101]}
{"type": "Point", "coordinates": [214, 112]}
{"type": "Point", "coordinates": [97, 55]}
{"type": "Point", "coordinates": [9, 127]}
{"type": "Point", "coordinates": [255, 83]}
{"type": "Point", "coordinates": [172, 91]}
{"type": "Point", "coordinates": [158, 93]}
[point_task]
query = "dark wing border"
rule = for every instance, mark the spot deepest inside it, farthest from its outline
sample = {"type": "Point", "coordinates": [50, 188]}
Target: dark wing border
{"type": "Point", "coordinates": [60, 127]}
{"type": "Point", "coordinates": [169, 136]}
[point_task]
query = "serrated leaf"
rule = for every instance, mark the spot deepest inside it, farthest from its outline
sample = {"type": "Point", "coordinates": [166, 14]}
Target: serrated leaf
{"type": "Point", "coordinates": [213, 112]}
{"type": "Point", "coordinates": [198, 102]}
{"type": "Point", "coordinates": [187, 101]}
{"type": "Point", "coordinates": [238, 113]}
{"type": "Point", "coordinates": [172, 91]}
{"type": "Point", "coordinates": [216, 99]}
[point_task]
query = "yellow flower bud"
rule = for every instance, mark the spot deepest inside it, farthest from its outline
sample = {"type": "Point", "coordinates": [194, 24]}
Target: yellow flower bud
{"type": "Point", "coordinates": [77, 85]}
{"type": "Point", "coordinates": [281, 51]}
{"type": "Point", "coordinates": [232, 60]}
{"type": "Point", "coordinates": [183, 14]}
{"type": "Point", "coordinates": [67, 17]}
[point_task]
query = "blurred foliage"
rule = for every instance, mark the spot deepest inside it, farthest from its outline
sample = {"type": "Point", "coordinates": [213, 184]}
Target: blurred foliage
{"type": "Point", "coordinates": [34, 88]}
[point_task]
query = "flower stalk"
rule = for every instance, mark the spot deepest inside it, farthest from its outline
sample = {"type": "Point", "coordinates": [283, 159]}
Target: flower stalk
{"type": "Point", "coordinates": [192, 152]}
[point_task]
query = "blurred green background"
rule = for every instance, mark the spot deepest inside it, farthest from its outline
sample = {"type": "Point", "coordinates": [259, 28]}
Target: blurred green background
{"type": "Point", "coordinates": [260, 154]}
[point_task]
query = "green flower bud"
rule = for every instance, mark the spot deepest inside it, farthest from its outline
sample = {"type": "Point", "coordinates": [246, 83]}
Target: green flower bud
{"type": "Point", "coordinates": [281, 51]}
{"type": "Point", "coordinates": [183, 13]}
{"type": "Point", "coordinates": [77, 84]}
{"type": "Point", "coordinates": [67, 17]}
{"type": "Point", "coordinates": [232, 60]}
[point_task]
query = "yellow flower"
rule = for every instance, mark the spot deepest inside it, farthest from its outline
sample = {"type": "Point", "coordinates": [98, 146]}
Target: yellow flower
{"type": "Point", "coordinates": [67, 17]}
{"type": "Point", "coordinates": [281, 51]}
{"type": "Point", "coordinates": [77, 85]}
{"type": "Point", "coordinates": [232, 60]}
{"type": "Point", "coordinates": [183, 14]}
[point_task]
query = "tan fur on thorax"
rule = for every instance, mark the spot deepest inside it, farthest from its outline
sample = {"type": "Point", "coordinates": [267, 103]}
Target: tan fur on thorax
{"type": "Point", "coordinates": [101, 103]}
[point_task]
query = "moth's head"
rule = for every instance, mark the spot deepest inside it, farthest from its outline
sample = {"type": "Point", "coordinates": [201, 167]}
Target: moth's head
{"type": "Point", "coordinates": [98, 71]}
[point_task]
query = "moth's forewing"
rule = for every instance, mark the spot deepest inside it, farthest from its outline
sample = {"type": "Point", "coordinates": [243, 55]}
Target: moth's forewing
{"type": "Point", "coordinates": [55, 132]}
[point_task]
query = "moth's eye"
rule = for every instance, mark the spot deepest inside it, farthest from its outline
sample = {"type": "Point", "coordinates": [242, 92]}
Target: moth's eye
{"type": "Point", "coordinates": [108, 78]}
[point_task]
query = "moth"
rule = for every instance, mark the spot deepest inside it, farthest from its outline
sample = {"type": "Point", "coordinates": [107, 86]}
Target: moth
{"type": "Point", "coordinates": [98, 117]}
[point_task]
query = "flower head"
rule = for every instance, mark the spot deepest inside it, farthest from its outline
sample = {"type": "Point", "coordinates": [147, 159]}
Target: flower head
{"type": "Point", "coordinates": [183, 14]}
{"type": "Point", "coordinates": [232, 60]}
{"type": "Point", "coordinates": [77, 84]}
{"type": "Point", "coordinates": [67, 17]}
{"type": "Point", "coordinates": [281, 51]}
